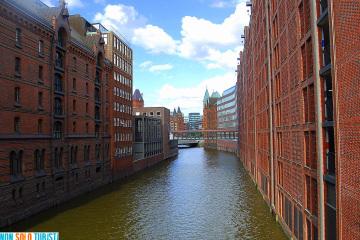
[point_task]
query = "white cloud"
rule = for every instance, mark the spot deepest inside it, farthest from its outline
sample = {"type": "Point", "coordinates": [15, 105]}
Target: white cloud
{"type": "Point", "coordinates": [154, 39]}
{"type": "Point", "coordinates": [160, 67]}
{"type": "Point", "coordinates": [216, 45]}
{"type": "Point", "coordinates": [75, 3]}
{"type": "Point", "coordinates": [121, 18]}
{"type": "Point", "coordinates": [145, 64]}
{"type": "Point", "coordinates": [151, 67]}
{"type": "Point", "coordinates": [190, 98]}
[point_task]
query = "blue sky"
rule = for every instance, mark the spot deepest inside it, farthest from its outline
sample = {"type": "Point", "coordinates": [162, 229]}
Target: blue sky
{"type": "Point", "coordinates": [180, 46]}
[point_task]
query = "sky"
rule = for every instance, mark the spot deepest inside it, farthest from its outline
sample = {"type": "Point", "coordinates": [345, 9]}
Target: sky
{"type": "Point", "coordinates": [180, 47]}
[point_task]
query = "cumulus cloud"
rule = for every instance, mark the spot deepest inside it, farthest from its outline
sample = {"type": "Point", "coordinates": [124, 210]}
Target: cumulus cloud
{"type": "Point", "coordinates": [216, 45]}
{"type": "Point", "coordinates": [120, 18]}
{"type": "Point", "coordinates": [191, 97]}
{"type": "Point", "coordinates": [154, 39]}
{"type": "Point", "coordinates": [151, 67]}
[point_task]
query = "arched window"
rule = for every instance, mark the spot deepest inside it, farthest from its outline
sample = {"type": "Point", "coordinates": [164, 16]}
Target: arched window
{"type": "Point", "coordinates": [61, 37]}
{"type": "Point", "coordinates": [16, 163]}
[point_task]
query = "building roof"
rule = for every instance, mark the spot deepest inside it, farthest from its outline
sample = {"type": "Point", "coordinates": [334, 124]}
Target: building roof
{"type": "Point", "coordinates": [215, 95]}
{"type": "Point", "coordinates": [206, 96]}
{"type": "Point", "coordinates": [40, 11]}
{"type": "Point", "coordinates": [137, 95]}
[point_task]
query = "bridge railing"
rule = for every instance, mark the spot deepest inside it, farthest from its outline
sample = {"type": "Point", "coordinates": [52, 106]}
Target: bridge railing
{"type": "Point", "coordinates": [216, 134]}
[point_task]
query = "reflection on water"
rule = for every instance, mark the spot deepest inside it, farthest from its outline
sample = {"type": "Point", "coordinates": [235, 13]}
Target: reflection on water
{"type": "Point", "coordinates": [200, 195]}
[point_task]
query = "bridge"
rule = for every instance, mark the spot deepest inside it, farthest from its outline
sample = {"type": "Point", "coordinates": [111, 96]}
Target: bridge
{"type": "Point", "coordinates": [188, 143]}
{"type": "Point", "coordinates": [216, 134]}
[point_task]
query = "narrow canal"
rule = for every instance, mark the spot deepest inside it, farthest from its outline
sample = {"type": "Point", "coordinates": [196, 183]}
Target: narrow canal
{"type": "Point", "coordinates": [200, 195]}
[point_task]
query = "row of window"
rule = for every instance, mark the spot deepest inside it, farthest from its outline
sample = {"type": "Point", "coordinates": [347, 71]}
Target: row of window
{"type": "Point", "coordinates": [121, 47]}
{"type": "Point", "coordinates": [122, 108]}
{"type": "Point", "coordinates": [120, 78]}
{"type": "Point", "coordinates": [122, 122]}
{"type": "Point", "coordinates": [122, 64]}
{"type": "Point", "coordinates": [18, 41]}
{"type": "Point", "coordinates": [120, 137]}
{"type": "Point", "coordinates": [121, 93]}
{"type": "Point", "coordinates": [16, 158]}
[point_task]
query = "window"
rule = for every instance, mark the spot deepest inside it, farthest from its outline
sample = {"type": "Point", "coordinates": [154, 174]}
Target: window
{"type": "Point", "coordinates": [87, 88]}
{"type": "Point", "coordinates": [18, 37]}
{"type": "Point", "coordinates": [97, 95]}
{"type": "Point", "coordinates": [59, 60]}
{"type": "Point", "coordinates": [74, 63]}
{"type": "Point", "coordinates": [58, 106]}
{"type": "Point", "coordinates": [17, 95]}
{"type": "Point", "coordinates": [158, 113]}
{"type": "Point", "coordinates": [74, 105]}
{"type": "Point", "coordinates": [40, 123]}
{"type": "Point", "coordinates": [16, 163]}
{"type": "Point", "coordinates": [41, 47]}
{"type": "Point", "coordinates": [87, 127]}
{"type": "Point", "coordinates": [40, 99]}
{"type": "Point", "coordinates": [57, 130]}
{"type": "Point", "coordinates": [39, 159]}
{"type": "Point", "coordinates": [61, 37]}
{"type": "Point", "coordinates": [17, 125]}
{"type": "Point", "coordinates": [73, 154]}
{"type": "Point", "coordinates": [17, 66]}
{"type": "Point", "coordinates": [87, 107]}
{"type": "Point", "coordinates": [74, 127]}
{"type": "Point", "coordinates": [74, 84]}
{"type": "Point", "coordinates": [97, 131]}
{"type": "Point", "coordinates": [97, 152]}
{"type": "Point", "coordinates": [58, 83]}
{"type": "Point", "coordinates": [58, 157]}
{"type": "Point", "coordinates": [40, 73]}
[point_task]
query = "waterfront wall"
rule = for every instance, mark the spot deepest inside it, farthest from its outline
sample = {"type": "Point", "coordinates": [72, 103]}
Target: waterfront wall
{"type": "Point", "coordinates": [297, 121]}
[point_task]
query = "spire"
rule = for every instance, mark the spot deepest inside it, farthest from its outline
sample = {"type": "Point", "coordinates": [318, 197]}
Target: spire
{"type": "Point", "coordinates": [206, 96]}
{"type": "Point", "coordinates": [178, 111]}
{"type": "Point", "coordinates": [174, 112]}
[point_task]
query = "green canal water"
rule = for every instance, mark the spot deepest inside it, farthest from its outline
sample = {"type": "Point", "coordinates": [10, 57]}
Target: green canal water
{"type": "Point", "coordinates": [200, 195]}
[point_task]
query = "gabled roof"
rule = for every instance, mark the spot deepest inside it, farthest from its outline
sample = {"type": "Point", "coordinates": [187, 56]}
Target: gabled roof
{"type": "Point", "coordinates": [137, 95]}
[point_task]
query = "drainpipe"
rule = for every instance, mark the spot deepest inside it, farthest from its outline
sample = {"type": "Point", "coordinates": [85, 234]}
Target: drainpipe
{"type": "Point", "coordinates": [318, 112]}
{"type": "Point", "coordinates": [272, 170]}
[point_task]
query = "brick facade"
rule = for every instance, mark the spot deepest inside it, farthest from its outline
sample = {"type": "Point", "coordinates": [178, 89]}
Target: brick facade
{"type": "Point", "coordinates": [56, 108]}
{"type": "Point", "coordinates": [297, 113]}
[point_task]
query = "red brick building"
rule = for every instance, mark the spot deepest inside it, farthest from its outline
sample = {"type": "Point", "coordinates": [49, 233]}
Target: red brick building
{"type": "Point", "coordinates": [137, 99]}
{"type": "Point", "coordinates": [118, 51]}
{"type": "Point", "coordinates": [56, 107]}
{"type": "Point", "coordinates": [177, 122]}
{"type": "Point", "coordinates": [298, 113]}
{"type": "Point", "coordinates": [209, 121]}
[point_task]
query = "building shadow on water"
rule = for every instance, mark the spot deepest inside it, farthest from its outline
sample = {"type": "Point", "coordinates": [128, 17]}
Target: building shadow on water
{"type": "Point", "coordinates": [83, 199]}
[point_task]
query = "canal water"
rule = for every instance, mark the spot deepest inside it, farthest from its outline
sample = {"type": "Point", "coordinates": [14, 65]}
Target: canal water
{"type": "Point", "coordinates": [200, 195]}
